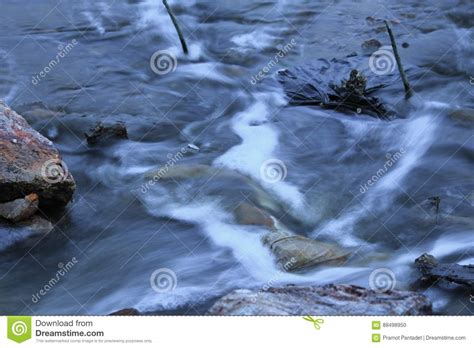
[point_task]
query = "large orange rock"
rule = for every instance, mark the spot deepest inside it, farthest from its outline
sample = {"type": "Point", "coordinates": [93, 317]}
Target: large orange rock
{"type": "Point", "coordinates": [30, 163]}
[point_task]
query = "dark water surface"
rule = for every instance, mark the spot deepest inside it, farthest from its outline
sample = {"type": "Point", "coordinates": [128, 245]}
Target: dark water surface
{"type": "Point", "coordinates": [120, 233]}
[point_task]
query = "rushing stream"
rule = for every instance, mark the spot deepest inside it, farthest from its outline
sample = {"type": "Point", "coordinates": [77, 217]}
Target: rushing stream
{"type": "Point", "coordinates": [357, 181]}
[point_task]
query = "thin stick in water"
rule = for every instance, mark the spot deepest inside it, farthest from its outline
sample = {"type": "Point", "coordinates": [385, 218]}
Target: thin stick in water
{"type": "Point", "coordinates": [176, 25]}
{"type": "Point", "coordinates": [406, 84]}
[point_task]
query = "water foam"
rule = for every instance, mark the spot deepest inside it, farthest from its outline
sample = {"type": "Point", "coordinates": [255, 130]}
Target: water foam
{"type": "Point", "coordinates": [259, 144]}
{"type": "Point", "coordinates": [418, 135]}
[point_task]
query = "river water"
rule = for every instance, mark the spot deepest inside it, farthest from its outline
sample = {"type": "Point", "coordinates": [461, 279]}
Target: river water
{"type": "Point", "coordinates": [352, 180]}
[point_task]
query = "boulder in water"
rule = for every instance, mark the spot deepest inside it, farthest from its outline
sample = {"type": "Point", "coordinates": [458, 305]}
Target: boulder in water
{"type": "Point", "coordinates": [19, 209]}
{"type": "Point", "coordinates": [434, 271]}
{"type": "Point", "coordinates": [371, 45]}
{"type": "Point", "coordinates": [322, 300]}
{"type": "Point", "coordinates": [247, 214]}
{"type": "Point", "coordinates": [104, 132]}
{"type": "Point", "coordinates": [30, 163]}
{"type": "Point", "coordinates": [296, 253]}
{"type": "Point", "coordinates": [465, 116]}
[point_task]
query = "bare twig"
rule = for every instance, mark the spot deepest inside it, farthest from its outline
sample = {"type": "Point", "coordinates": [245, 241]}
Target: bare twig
{"type": "Point", "coordinates": [406, 84]}
{"type": "Point", "coordinates": [176, 25]}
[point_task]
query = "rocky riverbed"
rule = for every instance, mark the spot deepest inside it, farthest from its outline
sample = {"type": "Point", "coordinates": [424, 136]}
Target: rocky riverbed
{"type": "Point", "coordinates": [277, 168]}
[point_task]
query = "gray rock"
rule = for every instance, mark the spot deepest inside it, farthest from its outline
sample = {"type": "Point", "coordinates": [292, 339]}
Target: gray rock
{"type": "Point", "coordinates": [247, 214]}
{"type": "Point", "coordinates": [103, 132]}
{"type": "Point", "coordinates": [36, 224]}
{"type": "Point", "coordinates": [21, 232]}
{"type": "Point", "coordinates": [30, 163]}
{"type": "Point", "coordinates": [20, 209]}
{"type": "Point", "coordinates": [321, 300]}
{"type": "Point", "coordinates": [465, 116]}
{"type": "Point", "coordinates": [297, 253]}
{"type": "Point", "coordinates": [434, 271]}
{"type": "Point", "coordinates": [371, 45]}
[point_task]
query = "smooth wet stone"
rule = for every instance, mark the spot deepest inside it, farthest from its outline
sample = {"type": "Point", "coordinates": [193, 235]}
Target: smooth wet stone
{"type": "Point", "coordinates": [105, 132]}
{"type": "Point", "coordinates": [36, 224]}
{"type": "Point", "coordinates": [10, 233]}
{"type": "Point", "coordinates": [297, 253]}
{"type": "Point", "coordinates": [38, 110]}
{"type": "Point", "coordinates": [321, 300]}
{"type": "Point", "coordinates": [30, 163]}
{"type": "Point", "coordinates": [20, 209]}
{"type": "Point", "coordinates": [247, 214]}
{"type": "Point", "coordinates": [191, 171]}
{"type": "Point", "coordinates": [463, 115]}
{"type": "Point", "coordinates": [371, 45]}
{"type": "Point", "coordinates": [203, 171]}
{"type": "Point", "coordinates": [434, 271]}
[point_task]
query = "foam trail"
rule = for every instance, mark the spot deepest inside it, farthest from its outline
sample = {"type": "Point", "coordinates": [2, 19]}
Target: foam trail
{"type": "Point", "coordinates": [95, 21]}
{"type": "Point", "coordinates": [245, 243]}
{"type": "Point", "coordinates": [419, 136]}
{"type": "Point", "coordinates": [259, 142]}
{"type": "Point", "coordinates": [153, 13]}
{"type": "Point", "coordinates": [257, 39]}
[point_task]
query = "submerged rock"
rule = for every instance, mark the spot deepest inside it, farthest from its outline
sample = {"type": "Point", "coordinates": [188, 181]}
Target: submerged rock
{"type": "Point", "coordinates": [247, 214]}
{"type": "Point", "coordinates": [176, 172]}
{"type": "Point", "coordinates": [103, 132]}
{"type": "Point", "coordinates": [21, 232]}
{"type": "Point", "coordinates": [292, 252]}
{"type": "Point", "coordinates": [465, 116]}
{"type": "Point", "coordinates": [30, 163]}
{"type": "Point", "coordinates": [39, 110]}
{"type": "Point", "coordinates": [434, 271]}
{"type": "Point", "coordinates": [321, 300]}
{"type": "Point", "coordinates": [297, 253]}
{"type": "Point", "coordinates": [371, 45]}
{"type": "Point", "coordinates": [191, 171]}
{"type": "Point", "coordinates": [20, 209]}
{"type": "Point", "coordinates": [36, 225]}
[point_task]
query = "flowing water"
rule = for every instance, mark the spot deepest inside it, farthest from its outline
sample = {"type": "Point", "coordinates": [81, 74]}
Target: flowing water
{"type": "Point", "coordinates": [351, 180]}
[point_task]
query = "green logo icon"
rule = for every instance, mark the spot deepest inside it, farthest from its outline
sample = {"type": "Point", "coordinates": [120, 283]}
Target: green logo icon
{"type": "Point", "coordinates": [19, 329]}
{"type": "Point", "coordinates": [376, 325]}
{"type": "Point", "coordinates": [375, 337]}
{"type": "Point", "coordinates": [316, 322]}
